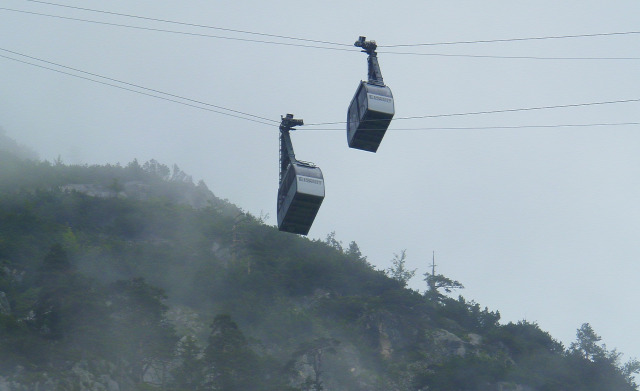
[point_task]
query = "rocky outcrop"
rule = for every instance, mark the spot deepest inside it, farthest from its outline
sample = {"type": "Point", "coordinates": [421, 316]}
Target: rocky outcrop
{"type": "Point", "coordinates": [449, 343]}
{"type": "Point", "coordinates": [503, 386]}
{"type": "Point", "coordinates": [196, 196]}
{"type": "Point", "coordinates": [83, 376]}
{"type": "Point", "coordinates": [92, 190]}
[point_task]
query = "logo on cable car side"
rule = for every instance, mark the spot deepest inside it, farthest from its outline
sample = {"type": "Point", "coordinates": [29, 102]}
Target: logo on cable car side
{"type": "Point", "coordinates": [382, 98]}
{"type": "Point", "coordinates": [309, 180]}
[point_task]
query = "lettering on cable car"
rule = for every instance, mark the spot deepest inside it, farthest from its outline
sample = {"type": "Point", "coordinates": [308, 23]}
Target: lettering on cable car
{"type": "Point", "coordinates": [310, 180]}
{"type": "Point", "coordinates": [382, 98]}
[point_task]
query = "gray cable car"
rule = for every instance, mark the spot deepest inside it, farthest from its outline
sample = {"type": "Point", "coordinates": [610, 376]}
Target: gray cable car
{"type": "Point", "coordinates": [301, 189]}
{"type": "Point", "coordinates": [371, 108]}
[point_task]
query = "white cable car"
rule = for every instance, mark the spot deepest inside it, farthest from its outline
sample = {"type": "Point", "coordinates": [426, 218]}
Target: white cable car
{"type": "Point", "coordinates": [372, 106]}
{"type": "Point", "coordinates": [299, 198]}
{"type": "Point", "coordinates": [369, 115]}
{"type": "Point", "coordinates": [301, 188]}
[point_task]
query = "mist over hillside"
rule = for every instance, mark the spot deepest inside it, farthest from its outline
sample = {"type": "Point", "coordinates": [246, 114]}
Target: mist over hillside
{"type": "Point", "coordinates": [9, 146]}
{"type": "Point", "coordinates": [136, 278]}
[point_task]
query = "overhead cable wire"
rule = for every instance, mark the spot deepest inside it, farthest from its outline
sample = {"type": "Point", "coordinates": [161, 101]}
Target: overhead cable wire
{"type": "Point", "coordinates": [525, 109]}
{"type": "Point", "coordinates": [495, 111]}
{"type": "Point", "coordinates": [137, 86]}
{"type": "Point", "coordinates": [314, 130]}
{"type": "Point", "coordinates": [138, 92]}
{"type": "Point", "coordinates": [510, 57]}
{"type": "Point", "coordinates": [553, 126]}
{"type": "Point", "coordinates": [262, 119]}
{"type": "Point", "coordinates": [589, 35]}
{"type": "Point", "coordinates": [191, 24]}
{"type": "Point", "coordinates": [512, 39]}
{"type": "Point", "coordinates": [176, 32]}
{"type": "Point", "coordinates": [344, 47]}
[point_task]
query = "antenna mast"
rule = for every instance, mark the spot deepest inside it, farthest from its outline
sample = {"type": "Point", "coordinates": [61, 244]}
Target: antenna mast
{"type": "Point", "coordinates": [433, 263]}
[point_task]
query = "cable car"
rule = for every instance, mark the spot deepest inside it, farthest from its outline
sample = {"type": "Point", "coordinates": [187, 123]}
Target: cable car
{"type": "Point", "coordinates": [372, 106]}
{"type": "Point", "coordinates": [369, 116]}
{"type": "Point", "coordinates": [299, 198]}
{"type": "Point", "coordinates": [301, 187]}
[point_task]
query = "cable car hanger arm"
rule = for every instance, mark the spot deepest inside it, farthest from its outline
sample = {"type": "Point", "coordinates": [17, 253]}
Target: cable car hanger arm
{"type": "Point", "coordinates": [369, 47]}
{"type": "Point", "coordinates": [287, 155]}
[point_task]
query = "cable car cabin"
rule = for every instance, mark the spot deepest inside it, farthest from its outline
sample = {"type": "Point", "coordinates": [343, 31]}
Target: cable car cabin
{"type": "Point", "coordinates": [299, 198]}
{"type": "Point", "coordinates": [369, 115]}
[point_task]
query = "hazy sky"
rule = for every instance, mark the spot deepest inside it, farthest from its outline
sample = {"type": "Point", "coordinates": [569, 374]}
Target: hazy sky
{"type": "Point", "coordinates": [539, 223]}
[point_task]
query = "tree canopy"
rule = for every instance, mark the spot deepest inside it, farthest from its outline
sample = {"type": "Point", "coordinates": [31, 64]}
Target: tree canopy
{"type": "Point", "coordinates": [134, 275]}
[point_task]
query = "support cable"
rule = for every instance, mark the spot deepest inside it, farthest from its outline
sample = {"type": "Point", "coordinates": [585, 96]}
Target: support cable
{"type": "Point", "coordinates": [148, 94]}
{"type": "Point", "coordinates": [174, 31]}
{"type": "Point", "coordinates": [497, 111]}
{"type": "Point", "coordinates": [513, 39]}
{"type": "Point", "coordinates": [191, 24]}
{"type": "Point", "coordinates": [267, 121]}
{"type": "Point", "coordinates": [552, 126]}
{"type": "Point", "coordinates": [489, 56]}
{"type": "Point", "coordinates": [137, 86]}
{"type": "Point", "coordinates": [344, 47]}
{"type": "Point", "coordinates": [480, 41]}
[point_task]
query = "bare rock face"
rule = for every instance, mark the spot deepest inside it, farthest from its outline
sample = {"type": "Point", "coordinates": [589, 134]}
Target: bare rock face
{"type": "Point", "coordinates": [90, 190]}
{"type": "Point", "coordinates": [451, 344]}
{"type": "Point", "coordinates": [474, 339]}
{"type": "Point", "coordinates": [503, 386]}
{"type": "Point", "coordinates": [196, 196]}
{"type": "Point", "coordinates": [83, 376]}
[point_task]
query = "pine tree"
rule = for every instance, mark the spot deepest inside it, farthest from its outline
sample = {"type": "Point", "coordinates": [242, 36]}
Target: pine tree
{"type": "Point", "coordinates": [231, 364]}
{"type": "Point", "coordinates": [399, 271]}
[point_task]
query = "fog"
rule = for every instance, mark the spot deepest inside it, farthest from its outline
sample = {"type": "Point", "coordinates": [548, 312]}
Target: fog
{"type": "Point", "coordinates": [540, 223]}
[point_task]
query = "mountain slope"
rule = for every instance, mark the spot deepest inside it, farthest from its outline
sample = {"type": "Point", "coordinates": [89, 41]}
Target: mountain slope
{"type": "Point", "coordinates": [135, 278]}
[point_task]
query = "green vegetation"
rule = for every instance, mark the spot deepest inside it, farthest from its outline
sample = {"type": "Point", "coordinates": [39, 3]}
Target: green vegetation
{"type": "Point", "coordinates": [136, 276]}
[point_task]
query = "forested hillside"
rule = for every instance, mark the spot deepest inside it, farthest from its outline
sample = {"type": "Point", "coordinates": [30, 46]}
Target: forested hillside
{"type": "Point", "coordinates": [133, 277]}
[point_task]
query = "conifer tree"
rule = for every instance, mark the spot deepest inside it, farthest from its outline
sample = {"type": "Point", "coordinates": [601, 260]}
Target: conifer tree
{"type": "Point", "coordinates": [435, 282]}
{"type": "Point", "coordinates": [399, 271]}
{"type": "Point", "coordinates": [231, 364]}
